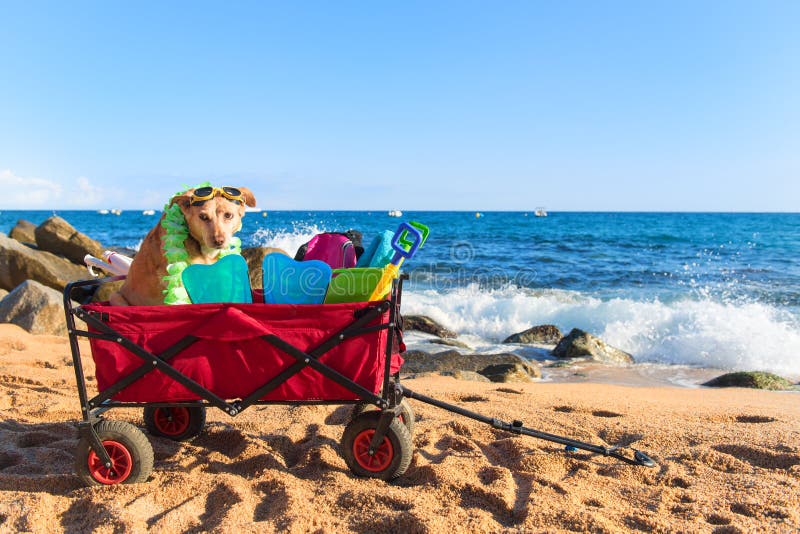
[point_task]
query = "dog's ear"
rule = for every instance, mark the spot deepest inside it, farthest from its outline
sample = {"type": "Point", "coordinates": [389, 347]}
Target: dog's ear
{"type": "Point", "coordinates": [249, 199]}
{"type": "Point", "coordinates": [183, 201]}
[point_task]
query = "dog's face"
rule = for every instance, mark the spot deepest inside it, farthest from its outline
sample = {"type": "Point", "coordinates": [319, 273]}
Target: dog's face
{"type": "Point", "coordinates": [214, 221]}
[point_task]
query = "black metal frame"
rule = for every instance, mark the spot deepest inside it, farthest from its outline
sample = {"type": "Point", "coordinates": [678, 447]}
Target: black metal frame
{"type": "Point", "coordinates": [392, 392]}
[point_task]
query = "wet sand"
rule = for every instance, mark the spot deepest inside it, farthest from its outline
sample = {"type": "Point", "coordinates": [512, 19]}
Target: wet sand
{"type": "Point", "coordinates": [728, 461]}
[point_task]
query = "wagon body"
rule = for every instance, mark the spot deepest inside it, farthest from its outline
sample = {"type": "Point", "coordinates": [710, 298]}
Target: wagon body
{"type": "Point", "coordinates": [175, 361]}
{"type": "Point", "coordinates": [227, 350]}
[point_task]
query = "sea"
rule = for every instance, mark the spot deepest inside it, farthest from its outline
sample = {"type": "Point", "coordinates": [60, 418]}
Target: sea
{"type": "Point", "coordinates": [675, 290]}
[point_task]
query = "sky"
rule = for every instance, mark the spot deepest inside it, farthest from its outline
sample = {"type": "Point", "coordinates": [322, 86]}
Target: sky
{"type": "Point", "coordinates": [414, 105]}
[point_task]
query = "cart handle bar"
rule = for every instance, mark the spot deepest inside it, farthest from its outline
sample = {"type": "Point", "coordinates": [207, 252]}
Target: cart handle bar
{"type": "Point", "coordinates": [515, 427]}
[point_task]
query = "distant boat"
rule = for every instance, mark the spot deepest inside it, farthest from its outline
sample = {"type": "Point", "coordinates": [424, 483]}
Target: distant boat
{"type": "Point", "coordinates": [478, 215]}
{"type": "Point", "coordinates": [116, 211]}
{"type": "Point", "coordinates": [102, 212]}
{"type": "Point", "coordinates": [395, 213]}
{"type": "Point", "coordinates": [149, 212]}
{"type": "Point", "coordinates": [541, 212]}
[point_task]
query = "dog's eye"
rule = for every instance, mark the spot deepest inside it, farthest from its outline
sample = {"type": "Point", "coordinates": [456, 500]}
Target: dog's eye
{"type": "Point", "coordinates": [229, 215]}
{"type": "Point", "coordinates": [204, 217]}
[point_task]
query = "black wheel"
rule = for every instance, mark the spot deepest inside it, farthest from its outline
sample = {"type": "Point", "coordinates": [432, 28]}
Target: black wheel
{"type": "Point", "coordinates": [392, 457]}
{"type": "Point", "coordinates": [406, 414]}
{"type": "Point", "coordinates": [130, 451]}
{"type": "Point", "coordinates": [179, 423]}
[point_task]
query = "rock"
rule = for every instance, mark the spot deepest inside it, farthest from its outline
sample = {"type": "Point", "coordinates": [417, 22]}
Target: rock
{"type": "Point", "coordinates": [466, 375]}
{"type": "Point", "coordinates": [19, 263]}
{"type": "Point", "coordinates": [104, 291]}
{"type": "Point", "coordinates": [546, 334]}
{"type": "Point", "coordinates": [24, 232]}
{"type": "Point", "coordinates": [59, 237]}
{"type": "Point", "coordinates": [510, 372]}
{"type": "Point", "coordinates": [427, 325]}
{"type": "Point", "coordinates": [36, 308]}
{"type": "Point", "coordinates": [3, 293]}
{"type": "Point", "coordinates": [750, 379]}
{"type": "Point", "coordinates": [255, 260]}
{"type": "Point", "coordinates": [451, 361]}
{"type": "Point", "coordinates": [579, 343]}
{"type": "Point", "coordinates": [450, 343]}
{"type": "Point", "coordinates": [564, 363]}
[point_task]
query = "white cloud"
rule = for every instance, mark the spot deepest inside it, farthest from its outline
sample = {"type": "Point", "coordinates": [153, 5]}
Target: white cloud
{"type": "Point", "coordinates": [21, 192]}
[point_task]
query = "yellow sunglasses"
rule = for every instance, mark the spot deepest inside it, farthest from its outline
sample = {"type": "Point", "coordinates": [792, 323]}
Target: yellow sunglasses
{"type": "Point", "coordinates": [201, 194]}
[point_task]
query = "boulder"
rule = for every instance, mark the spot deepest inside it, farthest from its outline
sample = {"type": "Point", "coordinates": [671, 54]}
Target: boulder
{"type": "Point", "coordinates": [426, 324]}
{"type": "Point", "coordinates": [59, 237]}
{"type": "Point", "coordinates": [579, 343]}
{"type": "Point", "coordinates": [36, 308]}
{"type": "Point", "coordinates": [24, 232]}
{"type": "Point", "coordinates": [749, 379]}
{"type": "Point", "coordinates": [19, 263]}
{"type": "Point", "coordinates": [466, 375]}
{"type": "Point", "coordinates": [104, 291]}
{"type": "Point", "coordinates": [510, 372]}
{"type": "Point", "coordinates": [451, 343]}
{"type": "Point", "coordinates": [546, 334]}
{"type": "Point", "coordinates": [451, 361]}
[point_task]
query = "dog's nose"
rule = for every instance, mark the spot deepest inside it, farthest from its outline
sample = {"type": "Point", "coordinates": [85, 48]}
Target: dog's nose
{"type": "Point", "coordinates": [218, 242]}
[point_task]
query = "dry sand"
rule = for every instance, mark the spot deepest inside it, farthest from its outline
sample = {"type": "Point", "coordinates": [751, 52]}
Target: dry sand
{"type": "Point", "coordinates": [729, 461]}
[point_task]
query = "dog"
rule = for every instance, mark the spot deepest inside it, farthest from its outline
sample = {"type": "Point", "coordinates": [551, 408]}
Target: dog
{"type": "Point", "coordinates": [213, 215]}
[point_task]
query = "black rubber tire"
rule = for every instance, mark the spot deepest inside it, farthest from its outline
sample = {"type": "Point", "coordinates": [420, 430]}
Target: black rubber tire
{"type": "Point", "coordinates": [129, 448]}
{"type": "Point", "coordinates": [190, 422]}
{"type": "Point", "coordinates": [393, 456]}
{"type": "Point", "coordinates": [406, 416]}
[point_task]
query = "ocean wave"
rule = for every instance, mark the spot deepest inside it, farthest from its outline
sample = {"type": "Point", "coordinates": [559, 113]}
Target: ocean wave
{"type": "Point", "coordinates": [698, 331]}
{"type": "Point", "coordinates": [288, 240]}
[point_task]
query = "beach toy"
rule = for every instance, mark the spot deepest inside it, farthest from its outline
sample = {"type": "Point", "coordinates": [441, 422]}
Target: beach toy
{"type": "Point", "coordinates": [120, 262]}
{"type": "Point", "coordinates": [353, 285]}
{"type": "Point", "coordinates": [287, 281]}
{"type": "Point", "coordinates": [406, 241]}
{"type": "Point", "coordinates": [379, 253]}
{"type": "Point", "coordinates": [227, 280]}
{"type": "Point", "coordinates": [91, 261]}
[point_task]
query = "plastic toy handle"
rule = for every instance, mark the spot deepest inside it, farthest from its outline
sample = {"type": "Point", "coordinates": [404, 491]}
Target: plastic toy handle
{"type": "Point", "coordinates": [91, 261]}
{"type": "Point", "coordinates": [424, 230]}
{"type": "Point", "coordinates": [403, 247]}
{"type": "Point", "coordinates": [390, 272]}
{"type": "Point", "coordinates": [405, 242]}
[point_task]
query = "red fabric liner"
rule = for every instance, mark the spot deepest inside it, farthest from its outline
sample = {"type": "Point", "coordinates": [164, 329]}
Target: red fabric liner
{"type": "Point", "coordinates": [230, 359]}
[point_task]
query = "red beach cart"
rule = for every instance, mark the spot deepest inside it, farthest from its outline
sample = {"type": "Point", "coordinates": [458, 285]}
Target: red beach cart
{"type": "Point", "coordinates": [174, 362]}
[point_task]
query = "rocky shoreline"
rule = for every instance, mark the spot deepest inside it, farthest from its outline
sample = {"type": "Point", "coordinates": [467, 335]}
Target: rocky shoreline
{"type": "Point", "coordinates": [37, 262]}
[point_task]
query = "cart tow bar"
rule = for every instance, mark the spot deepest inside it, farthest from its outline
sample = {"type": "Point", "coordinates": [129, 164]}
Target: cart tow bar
{"type": "Point", "coordinates": [515, 427]}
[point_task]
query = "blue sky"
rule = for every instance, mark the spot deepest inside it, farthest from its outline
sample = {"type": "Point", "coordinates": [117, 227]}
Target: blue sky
{"type": "Point", "coordinates": [414, 105]}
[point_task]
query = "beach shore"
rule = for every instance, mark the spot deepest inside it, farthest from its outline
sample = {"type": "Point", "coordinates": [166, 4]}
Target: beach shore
{"type": "Point", "coordinates": [728, 461]}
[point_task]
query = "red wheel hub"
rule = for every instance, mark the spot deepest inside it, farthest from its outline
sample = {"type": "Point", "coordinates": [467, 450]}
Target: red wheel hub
{"type": "Point", "coordinates": [171, 421]}
{"type": "Point", "coordinates": [121, 464]}
{"type": "Point", "coordinates": [377, 462]}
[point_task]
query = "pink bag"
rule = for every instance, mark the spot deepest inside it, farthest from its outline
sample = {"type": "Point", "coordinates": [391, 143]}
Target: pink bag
{"type": "Point", "coordinates": [334, 249]}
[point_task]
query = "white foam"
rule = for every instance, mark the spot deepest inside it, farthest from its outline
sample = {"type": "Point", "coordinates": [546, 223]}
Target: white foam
{"type": "Point", "coordinates": [702, 332]}
{"type": "Point", "coordinates": [288, 241]}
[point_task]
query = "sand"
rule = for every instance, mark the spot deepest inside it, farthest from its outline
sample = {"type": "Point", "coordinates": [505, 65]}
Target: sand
{"type": "Point", "coordinates": [728, 461]}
